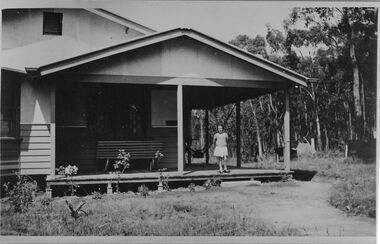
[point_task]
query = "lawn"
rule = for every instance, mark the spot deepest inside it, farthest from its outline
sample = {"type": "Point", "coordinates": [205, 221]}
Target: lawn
{"type": "Point", "coordinates": [176, 213]}
{"type": "Point", "coordinates": [271, 209]}
{"type": "Point", "coordinates": [354, 182]}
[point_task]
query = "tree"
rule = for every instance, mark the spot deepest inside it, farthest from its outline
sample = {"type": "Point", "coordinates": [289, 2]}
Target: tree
{"type": "Point", "coordinates": [350, 34]}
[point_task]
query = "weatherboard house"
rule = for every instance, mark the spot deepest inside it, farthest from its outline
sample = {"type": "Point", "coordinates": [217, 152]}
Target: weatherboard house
{"type": "Point", "coordinates": [78, 84]}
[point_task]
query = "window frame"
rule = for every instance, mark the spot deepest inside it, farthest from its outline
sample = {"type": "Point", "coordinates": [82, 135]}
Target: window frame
{"type": "Point", "coordinates": [45, 19]}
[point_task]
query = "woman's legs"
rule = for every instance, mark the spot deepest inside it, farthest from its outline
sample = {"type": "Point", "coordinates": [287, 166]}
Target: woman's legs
{"type": "Point", "coordinates": [225, 163]}
{"type": "Point", "coordinates": [220, 164]}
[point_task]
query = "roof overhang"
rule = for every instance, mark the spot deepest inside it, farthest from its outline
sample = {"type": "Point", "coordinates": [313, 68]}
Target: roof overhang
{"type": "Point", "coordinates": [121, 20]}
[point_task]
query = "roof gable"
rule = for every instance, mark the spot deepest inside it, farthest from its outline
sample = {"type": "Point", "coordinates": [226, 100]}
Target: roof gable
{"type": "Point", "coordinates": [159, 37]}
{"type": "Point", "coordinates": [181, 57]}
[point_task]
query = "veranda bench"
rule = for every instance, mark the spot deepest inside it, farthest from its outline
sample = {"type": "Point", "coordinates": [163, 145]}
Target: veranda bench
{"type": "Point", "coordinates": [143, 149]}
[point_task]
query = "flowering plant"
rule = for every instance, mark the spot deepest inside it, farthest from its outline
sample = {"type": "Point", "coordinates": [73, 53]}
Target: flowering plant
{"type": "Point", "coordinates": [123, 161]}
{"type": "Point", "coordinates": [69, 170]}
{"type": "Point", "coordinates": [158, 155]}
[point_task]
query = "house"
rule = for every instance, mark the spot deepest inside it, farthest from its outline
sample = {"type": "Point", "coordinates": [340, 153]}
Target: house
{"type": "Point", "coordinates": [74, 77]}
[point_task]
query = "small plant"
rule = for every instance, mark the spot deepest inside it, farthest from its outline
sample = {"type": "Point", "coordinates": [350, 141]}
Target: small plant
{"type": "Point", "coordinates": [157, 158]}
{"type": "Point", "coordinates": [96, 195]}
{"type": "Point", "coordinates": [120, 165]}
{"type": "Point", "coordinates": [123, 161]}
{"type": "Point", "coordinates": [22, 194]}
{"type": "Point", "coordinates": [191, 187]}
{"type": "Point", "coordinates": [143, 190]}
{"type": "Point", "coordinates": [77, 212]}
{"type": "Point", "coordinates": [46, 201]}
{"type": "Point", "coordinates": [69, 171]}
{"type": "Point", "coordinates": [163, 180]}
{"type": "Point", "coordinates": [212, 183]}
{"type": "Point", "coordinates": [158, 155]}
{"type": "Point", "coordinates": [286, 177]}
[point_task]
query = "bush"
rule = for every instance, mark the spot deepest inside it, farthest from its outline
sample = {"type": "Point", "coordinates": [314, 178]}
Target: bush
{"type": "Point", "coordinates": [355, 193]}
{"type": "Point", "coordinates": [143, 190]}
{"type": "Point", "coordinates": [212, 183]}
{"type": "Point", "coordinates": [22, 194]}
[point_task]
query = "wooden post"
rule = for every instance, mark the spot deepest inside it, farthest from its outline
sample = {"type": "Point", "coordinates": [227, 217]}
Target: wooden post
{"type": "Point", "coordinates": [49, 192]}
{"type": "Point", "coordinates": [287, 132]}
{"type": "Point", "coordinates": [109, 188]}
{"type": "Point", "coordinates": [52, 129]}
{"type": "Point", "coordinates": [189, 136]}
{"type": "Point", "coordinates": [207, 137]}
{"type": "Point", "coordinates": [238, 139]}
{"type": "Point", "coordinates": [180, 127]}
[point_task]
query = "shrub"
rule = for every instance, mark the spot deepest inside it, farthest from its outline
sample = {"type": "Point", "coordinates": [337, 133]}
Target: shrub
{"type": "Point", "coordinates": [22, 194]}
{"type": "Point", "coordinates": [123, 161]}
{"type": "Point", "coordinates": [211, 183]}
{"type": "Point", "coordinates": [143, 190]}
{"type": "Point", "coordinates": [191, 187]}
{"type": "Point", "coordinates": [69, 171]}
{"type": "Point", "coordinates": [163, 180]}
{"type": "Point", "coordinates": [96, 195]}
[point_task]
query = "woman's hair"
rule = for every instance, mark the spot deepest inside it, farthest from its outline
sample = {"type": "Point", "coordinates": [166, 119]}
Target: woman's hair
{"type": "Point", "coordinates": [219, 125]}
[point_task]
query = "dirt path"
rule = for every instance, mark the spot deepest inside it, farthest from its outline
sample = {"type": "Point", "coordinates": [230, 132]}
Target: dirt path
{"type": "Point", "coordinates": [305, 205]}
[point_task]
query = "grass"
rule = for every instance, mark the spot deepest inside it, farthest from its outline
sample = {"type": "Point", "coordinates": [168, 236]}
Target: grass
{"type": "Point", "coordinates": [182, 213]}
{"type": "Point", "coordinates": [354, 182]}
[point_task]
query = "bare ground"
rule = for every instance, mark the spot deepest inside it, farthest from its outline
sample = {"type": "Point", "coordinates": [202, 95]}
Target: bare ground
{"type": "Point", "coordinates": [305, 206]}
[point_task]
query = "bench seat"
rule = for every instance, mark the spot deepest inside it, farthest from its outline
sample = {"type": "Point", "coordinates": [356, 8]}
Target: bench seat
{"type": "Point", "coordinates": [138, 149]}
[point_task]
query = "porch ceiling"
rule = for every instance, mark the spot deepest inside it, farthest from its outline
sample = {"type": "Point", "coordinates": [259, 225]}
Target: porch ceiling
{"type": "Point", "coordinates": [212, 97]}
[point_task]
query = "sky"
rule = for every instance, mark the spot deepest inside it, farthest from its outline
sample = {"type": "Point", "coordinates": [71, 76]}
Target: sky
{"type": "Point", "coordinates": [223, 20]}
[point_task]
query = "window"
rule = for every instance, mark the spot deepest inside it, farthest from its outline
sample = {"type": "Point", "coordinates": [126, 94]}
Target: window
{"type": "Point", "coordinates": [52, 23]}
{"type": "Point", "coordinates": [10, 102]}
{"type": "Point", "coordinates": [164, 108]}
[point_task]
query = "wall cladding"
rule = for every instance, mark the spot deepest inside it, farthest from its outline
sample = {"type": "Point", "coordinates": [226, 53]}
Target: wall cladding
{"type": "Point", "coordinates": [35, 149]}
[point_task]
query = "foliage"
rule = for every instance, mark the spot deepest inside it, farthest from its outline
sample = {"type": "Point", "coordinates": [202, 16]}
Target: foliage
{"type": "Point", "coordinates": [158, 155]}
{"type": "Point", "coordinates": [69, 171]}
{"type": "Point", "coordinates": [212, 183]}
{"type": "Point", "coordinates": [176, 214]}
{"type": "Point", "coordinates": [96, 195]}
{"type": "Point", "coordinates": [354, 183]}
{"type": "Point", "coordinates": [356, 193]}
{"type": "Point", "coordinates": [46, 201]}
{"type": "Point", "coordinates": [163, 180]}
{"type": "Point", "coordinates": [191, 187]}
{"type": "Point", "coordinates": [315, 43]}
{"type": "Point", "coordinates": [123, 161]}
{"type": "Point", "coordinates": [143, 190]}
{"type": "Point", "coordinates": [22, 194]}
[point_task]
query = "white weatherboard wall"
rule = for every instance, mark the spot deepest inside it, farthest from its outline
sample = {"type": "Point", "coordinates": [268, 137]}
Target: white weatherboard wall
{"type": "Point", "coordinates": [35, 115]}
{"type": "Point", "coordinates": [183, 58]}
{"type": "Point", "coordinates": [24, 26]}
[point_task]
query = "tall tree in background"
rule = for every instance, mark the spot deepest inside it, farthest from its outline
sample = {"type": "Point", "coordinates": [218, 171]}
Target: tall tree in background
{"type": "Point", "coordinates": [350, 35]}
{"type": "Point", "coordinates": [337, 46]}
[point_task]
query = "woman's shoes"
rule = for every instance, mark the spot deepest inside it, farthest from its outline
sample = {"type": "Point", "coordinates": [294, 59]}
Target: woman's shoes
{"type": "Point", "coordinates": [223, 171]}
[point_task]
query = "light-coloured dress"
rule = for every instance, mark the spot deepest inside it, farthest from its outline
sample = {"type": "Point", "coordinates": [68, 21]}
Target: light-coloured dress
{"type": "Point", "coordinates": [221, 145]}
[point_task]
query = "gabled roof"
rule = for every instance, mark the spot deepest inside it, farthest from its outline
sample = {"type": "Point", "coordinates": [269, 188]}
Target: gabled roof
{"type": "Point", "coordinates": [121, 20]}
{"type": "Point", "coordinates": [158, 37]}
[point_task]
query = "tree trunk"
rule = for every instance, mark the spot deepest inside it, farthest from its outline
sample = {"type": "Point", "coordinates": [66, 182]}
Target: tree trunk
{"type": "Point", "coordinates": [350, 122]}
{"type": "Point", "coordinates": [202, 139]}
{"type": "Point", "coordinates": [257, 129]}
{"type": "Point", "coordinates": [319, 140]}
{"type": "Point", "coordinates": [317, 123]}
{"type": "Point", "coordinates": [362, 99]}
{"type": "Point", "coordinates": [356, 82]}
{"type": "Point", "coordinates": [326, 140]}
